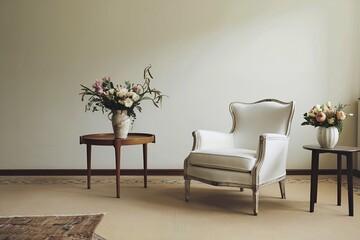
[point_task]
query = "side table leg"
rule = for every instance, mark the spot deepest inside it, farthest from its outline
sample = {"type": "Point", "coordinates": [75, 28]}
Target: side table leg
{"type": "Point", "coordinates": [350, 183]}
{"type": "Point", "coordinates": [117, 146]}
{"type": "Point", "coordinates": [314, 179]}
{"type": "Point", "coordinates": [145, 164]}
{"type": "Point", "coordinates": [88, 159]}
{"type": "Point", "coordinates": [339, 179]}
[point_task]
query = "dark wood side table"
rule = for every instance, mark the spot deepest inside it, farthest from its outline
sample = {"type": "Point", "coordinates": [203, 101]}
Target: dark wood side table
{"type": "Point", "coordinates": [108, 139]}
{"type": "Point", "coordinates": [339, 151]}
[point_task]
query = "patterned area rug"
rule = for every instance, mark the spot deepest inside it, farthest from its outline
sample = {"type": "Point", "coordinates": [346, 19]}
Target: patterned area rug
{"type": "Point", "coordinates": [63, 227]}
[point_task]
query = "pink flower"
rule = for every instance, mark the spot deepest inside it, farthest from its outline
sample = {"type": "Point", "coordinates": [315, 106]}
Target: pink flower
{"type": "Point", "coordinates": [98, 86]}
{"type": "Point", "coordinates": [320, 117]}
{"type": "Point", "coordinates": [137, 89]}
{"type": "Point", "coordinates": [341, 115]}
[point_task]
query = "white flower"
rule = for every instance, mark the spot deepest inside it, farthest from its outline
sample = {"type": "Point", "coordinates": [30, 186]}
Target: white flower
{"type": "Point", "coordinates": [331, 120]}
{"type": "Point", "coordinates": [317, 109]}
{"type": "Point", "coordinates": [111, 91]}
{"type": "Point", "coordinates": [128, 102]}
{"type": "Point", "coordinates": [328, 104]}
{"type": "Point", "coordinates": [122, 92]}
{"type": "Point", "coordinates": [326, 110]}
{"type": "Point", "coordinates": [341, 115]}
{"type": "Point", "coordinates": [135, 97]}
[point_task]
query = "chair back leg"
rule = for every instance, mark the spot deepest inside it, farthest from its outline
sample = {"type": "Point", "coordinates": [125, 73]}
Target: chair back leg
{"type": "Point", "coordinates": [282, 189]}
{"type": "Point", "coordinates": [187, 190]}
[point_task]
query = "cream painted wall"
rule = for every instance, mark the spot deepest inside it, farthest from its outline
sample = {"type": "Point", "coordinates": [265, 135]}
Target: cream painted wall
{"type": "Point", "coordinates": [204, 53]}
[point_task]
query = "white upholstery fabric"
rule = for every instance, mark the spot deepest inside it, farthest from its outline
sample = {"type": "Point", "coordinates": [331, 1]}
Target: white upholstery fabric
{"type": "Point", "coordinates": [252, 120]}
{"type": "Point", "coordinates": [213, 140]}
{"type": "Point", "coordinates": [233, 159]}
{"type": "Point", "coordinates": [274, 154]}
{"type": "Point", "coordinates": [252, 155]}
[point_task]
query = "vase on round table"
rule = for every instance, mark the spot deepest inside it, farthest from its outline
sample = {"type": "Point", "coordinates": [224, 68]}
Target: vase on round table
{"type": "Point", "coordinates": [121, 123]}
{"type": "Point", "coordinates": [328, 136]}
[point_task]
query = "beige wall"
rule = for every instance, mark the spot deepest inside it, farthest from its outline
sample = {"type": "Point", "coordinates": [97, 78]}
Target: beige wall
{"type": "Point", "coordinates": [204, 53]}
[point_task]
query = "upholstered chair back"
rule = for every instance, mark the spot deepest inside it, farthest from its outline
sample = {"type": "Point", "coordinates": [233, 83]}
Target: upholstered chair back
{"type": "Point", "coordinates": [250, 120]}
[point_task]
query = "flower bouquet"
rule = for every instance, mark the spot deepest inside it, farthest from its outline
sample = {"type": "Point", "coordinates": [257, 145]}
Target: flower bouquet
{"type": "Point", "coordinates": [326, 115]}
{"type": "Point", "coordinates": [329, 119]}
{"type": "Point", "coordinates": [120, 100]}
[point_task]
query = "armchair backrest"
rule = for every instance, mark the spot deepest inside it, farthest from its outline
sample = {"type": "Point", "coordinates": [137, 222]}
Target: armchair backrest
{"type": "Point", "coordinates": [250, 120]}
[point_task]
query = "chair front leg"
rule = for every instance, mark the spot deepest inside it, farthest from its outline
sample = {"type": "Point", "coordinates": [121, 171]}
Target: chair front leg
{"type": "Point", "coordinates": [282, 189]}
{"type": "Point", "coordinates": [187, 190]}
{"type": "Point", "coordinates": [256, 200]}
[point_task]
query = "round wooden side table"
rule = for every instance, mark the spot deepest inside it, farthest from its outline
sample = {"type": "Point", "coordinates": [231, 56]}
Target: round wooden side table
{"type": "Point", "coordinates": [108, 139]}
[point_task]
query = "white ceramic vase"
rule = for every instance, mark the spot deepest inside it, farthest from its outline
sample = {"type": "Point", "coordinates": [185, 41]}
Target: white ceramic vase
{"type": "Point", "coordinates": [121, 123]}
{"type": "Point", "coordinates": [327, 137]}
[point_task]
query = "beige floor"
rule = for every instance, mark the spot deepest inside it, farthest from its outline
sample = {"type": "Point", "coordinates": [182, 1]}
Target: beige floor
{"type": "Point", "coordinates": [159, 212]}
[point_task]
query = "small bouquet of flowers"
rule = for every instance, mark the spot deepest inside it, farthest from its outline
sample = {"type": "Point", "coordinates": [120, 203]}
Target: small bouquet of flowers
{"type": "Point", "coordinates": [326, 115]}
{"type": "Point", "coordinates": [106, 96]}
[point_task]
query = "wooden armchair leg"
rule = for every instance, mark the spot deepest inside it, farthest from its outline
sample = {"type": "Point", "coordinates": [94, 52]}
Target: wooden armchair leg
{"type": "Point", "coordinates": [256, 201]}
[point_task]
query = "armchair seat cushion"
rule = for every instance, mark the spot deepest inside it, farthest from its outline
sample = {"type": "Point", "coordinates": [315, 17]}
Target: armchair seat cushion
{"type": "Point", "coordinates": [233, 159]}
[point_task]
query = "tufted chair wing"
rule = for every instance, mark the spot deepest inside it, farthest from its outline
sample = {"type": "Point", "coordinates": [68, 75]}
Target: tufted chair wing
{"type": "Point", "coordinates": [251, 155]}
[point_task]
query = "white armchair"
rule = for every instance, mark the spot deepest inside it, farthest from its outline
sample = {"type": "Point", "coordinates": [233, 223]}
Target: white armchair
{"type": "Point", "coordinates": [253, 154]}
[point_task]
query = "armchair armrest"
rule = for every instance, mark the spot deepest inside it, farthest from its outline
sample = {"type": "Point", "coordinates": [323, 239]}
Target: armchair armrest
{"type": "Point", "coordinates": [272, 157]}
{"type": "Point", "coordinates": [205, 139]}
